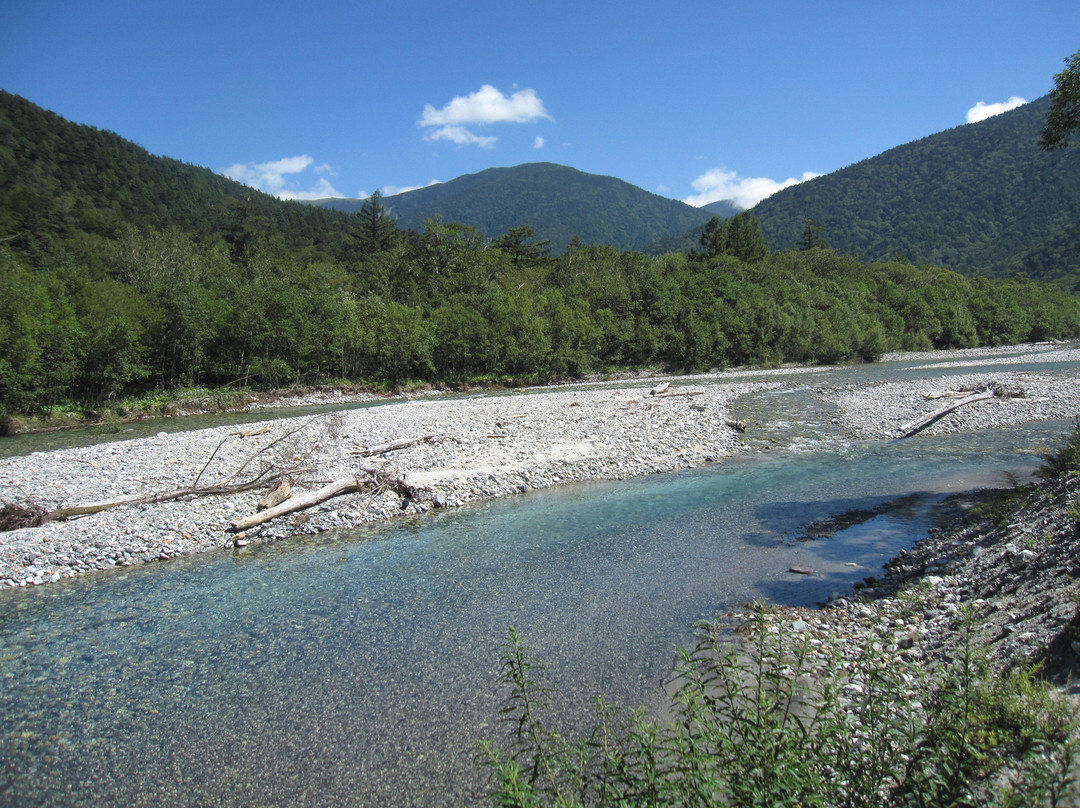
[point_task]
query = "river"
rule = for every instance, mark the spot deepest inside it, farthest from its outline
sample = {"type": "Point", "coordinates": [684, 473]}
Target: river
{"type": "Point", "coordinates": [360, 668]}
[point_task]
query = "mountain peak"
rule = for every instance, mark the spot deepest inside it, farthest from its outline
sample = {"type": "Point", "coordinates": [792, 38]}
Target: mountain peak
{"type": "Point", "coordinates": [557, 201]}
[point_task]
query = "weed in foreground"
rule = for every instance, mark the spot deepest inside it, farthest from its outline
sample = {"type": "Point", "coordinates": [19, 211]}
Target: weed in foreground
{"type": "Point", "coordinates": [773, 721]}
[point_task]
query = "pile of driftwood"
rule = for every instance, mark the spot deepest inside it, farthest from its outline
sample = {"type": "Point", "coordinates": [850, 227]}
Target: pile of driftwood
{"type": "Point", "coordinates": [959, 398]}
{"type": "Point", "coordinates": [280, 501]}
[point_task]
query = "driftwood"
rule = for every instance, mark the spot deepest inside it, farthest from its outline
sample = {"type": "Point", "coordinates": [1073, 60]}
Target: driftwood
{"type": "Point", "coordinates": [248, 433]}
{"type": "Point", "coordinates": [152, 499]}
{"type": "Point", "coordinates": [394, 445]}
{"type": "Point", "coordinates": [267, 477]}
{"type": "Point", "coordinates": [660, 388]}
{"type": "Point", "coordinates": [343, 486]}
{"type": "Point", "coordinates": [919, 424]}
{"type": "Point", "coordinates": [947, 394]}
{"type": "Point", "coordinates": [277, 496]}
{"type": "Point", "coordinates": [678, 393]}
{"type": "Point", "coordinates": [346, 485]}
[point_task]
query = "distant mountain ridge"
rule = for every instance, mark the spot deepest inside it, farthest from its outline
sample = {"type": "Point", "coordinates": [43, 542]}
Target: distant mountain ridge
{"type": "Point", "coordinates": [558, 202]}
{"type": "Point", "coordinates": [979, 199]}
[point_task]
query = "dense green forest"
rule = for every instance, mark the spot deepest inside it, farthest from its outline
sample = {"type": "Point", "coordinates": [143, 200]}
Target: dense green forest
{"type": "Point", "coordinates": [123, 273]}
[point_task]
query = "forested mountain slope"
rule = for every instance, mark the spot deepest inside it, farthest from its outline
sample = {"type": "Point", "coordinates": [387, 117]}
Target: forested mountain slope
{"type": "Point", "coordinates": [558, 202]}
{"type": "Point", "coordinates": [58, 178]}
{"type": "Point", "coordinates": [979, 199]}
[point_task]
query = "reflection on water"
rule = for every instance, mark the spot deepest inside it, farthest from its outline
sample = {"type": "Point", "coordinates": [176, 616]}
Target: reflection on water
{"type": "Point", "coordinates": [360, 668]}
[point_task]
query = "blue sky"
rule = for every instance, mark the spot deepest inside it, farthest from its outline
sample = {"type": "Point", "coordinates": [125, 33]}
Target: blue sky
{"type": "Point", "coordinates": [692, 100]}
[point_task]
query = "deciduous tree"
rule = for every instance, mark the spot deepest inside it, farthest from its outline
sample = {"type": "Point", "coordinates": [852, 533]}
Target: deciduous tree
{"type": "Point", "coordinates": [1063, 119]}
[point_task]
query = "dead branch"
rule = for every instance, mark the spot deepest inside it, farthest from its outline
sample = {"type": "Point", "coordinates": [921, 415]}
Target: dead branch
{"type": "Point", "coordinates": [394, 445]}
{"type": "Point", "coordinates": [346, 485]}
{"type": "Point", "coordinates": [946, 394]}
{"type": "Point", "coordinates": [921, 423]}
{"type": "Point", "coordinates": [271, 445]}
{"type": "Point", "coordinates": [206, 465]}
{"type": "Point", "coordinates": [343, 486]}
{"type": "Point", "coordinates": [152, 499]}
{"type": "Point", "coordinates": [677, 393]}
{"type": "Point", "coordinates": [249, 433]}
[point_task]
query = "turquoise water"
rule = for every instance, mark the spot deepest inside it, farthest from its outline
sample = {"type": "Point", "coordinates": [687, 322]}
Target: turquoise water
{"type": "Point", "coordinates": [360, 668]}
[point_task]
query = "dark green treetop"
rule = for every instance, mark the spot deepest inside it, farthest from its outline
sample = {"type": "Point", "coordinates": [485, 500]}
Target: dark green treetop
{"type": "Point", "coordinates": [811, 237]}
{"type": "Point", "coordinates": [739, 236]}
{"type": "Point", "coordinates": [377, 229]}
{"type": "Point", "coordinates": [1063, 119]}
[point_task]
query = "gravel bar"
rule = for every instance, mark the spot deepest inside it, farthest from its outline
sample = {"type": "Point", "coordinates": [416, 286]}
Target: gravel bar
{"type": "Point", "coordinates": [482, 448]}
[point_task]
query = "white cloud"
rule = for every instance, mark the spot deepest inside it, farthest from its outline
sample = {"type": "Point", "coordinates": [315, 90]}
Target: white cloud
{"type": "Point", "coordinates": [392, 190]}
{"type": "Point", "coordinates": [539, 142]}
{"type": "Point", "coordinates": [486, 106]}
{"type": "Point", "coordinates": [461, 136]}
{"type": "Point", "coordinates": [982, 110]}
{"type": "Point", "coordinates": [719, 183]}
{"type": "Point", "coordinates": [276, 176]}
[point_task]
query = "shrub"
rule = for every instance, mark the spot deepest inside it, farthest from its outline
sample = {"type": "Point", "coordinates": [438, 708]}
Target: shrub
{"type": "Point", "coordinates": [772, 721]}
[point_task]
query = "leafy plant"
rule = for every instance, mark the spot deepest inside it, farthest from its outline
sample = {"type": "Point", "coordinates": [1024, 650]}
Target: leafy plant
{"type": "Point", "coordinates": [771, 720]}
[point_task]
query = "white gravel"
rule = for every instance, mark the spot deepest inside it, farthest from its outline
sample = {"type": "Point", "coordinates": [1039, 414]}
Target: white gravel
{"type": "Point", "coordinates": [484, 447]}
{"type": "Point", "coordinates": [872, 412]}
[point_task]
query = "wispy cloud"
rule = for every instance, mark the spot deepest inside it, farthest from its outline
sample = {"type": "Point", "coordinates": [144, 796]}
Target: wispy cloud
{"type": "Point", "coordinates": [486, 106]}
{"type": "Point", "coordinates": [391, 190]}
{"type": "Point", "coordinates": [719, 183]}
{"type": "Point", "coordinates": [982, 110]}
{"type": "Point", "coordinates": [539, 143]}
{"type": "Point", "coordinates": [282, 177]}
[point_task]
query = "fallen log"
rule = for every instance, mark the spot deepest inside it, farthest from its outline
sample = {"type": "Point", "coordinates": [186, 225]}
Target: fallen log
{"type": "Point", "coordinates": [394, 445]}
{"type": "Point", "coordinates": [248, 433]}
{"type": "Point", "coordinates": [921, 423]}
{"type": "Point", "coordinates": [947, 394]}
{"type": "Point", "coordinates": [677, 393]}
{"type": "Point", "coordinates": [345, 485]}
{"type": "Point", "coordinates": [660, 388]}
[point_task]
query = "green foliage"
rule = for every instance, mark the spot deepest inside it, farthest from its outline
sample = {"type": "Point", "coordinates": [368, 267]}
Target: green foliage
{"type": "Point", "coordinates": [739, 236]}
{"type": "Point", "coordinates": [1063, 118]}
{"type": "Point", "coordinates": [775, 721]}
{"type": "Point", "coordinates": [122, 274]}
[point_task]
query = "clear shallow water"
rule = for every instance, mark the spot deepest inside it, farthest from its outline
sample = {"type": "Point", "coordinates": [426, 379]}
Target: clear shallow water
{"type": "Point", "coordinates": [359, 669]}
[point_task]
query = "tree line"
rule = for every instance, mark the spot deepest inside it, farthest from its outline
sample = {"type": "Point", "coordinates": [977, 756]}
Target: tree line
{"type": "Point", "coordinates": [92, 318]}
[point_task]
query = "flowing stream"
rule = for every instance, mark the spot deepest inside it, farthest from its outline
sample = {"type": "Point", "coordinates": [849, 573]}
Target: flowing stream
{"type": "Point", "coordinates": [360, 669]}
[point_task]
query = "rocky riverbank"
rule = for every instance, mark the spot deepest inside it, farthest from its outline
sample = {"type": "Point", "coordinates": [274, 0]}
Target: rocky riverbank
{"type": "Point", "coordinates": [472, 449]}
{"type": "Point", "coordinates": [1007, 561]}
